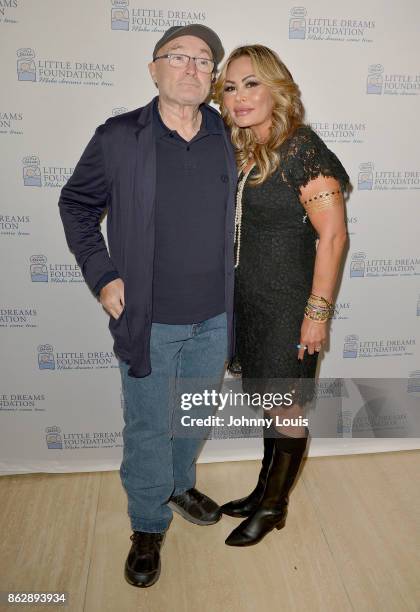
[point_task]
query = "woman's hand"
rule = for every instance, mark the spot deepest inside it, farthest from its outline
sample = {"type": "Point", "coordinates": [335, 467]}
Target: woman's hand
{"type": "Point", "coordinates": [313, 335]}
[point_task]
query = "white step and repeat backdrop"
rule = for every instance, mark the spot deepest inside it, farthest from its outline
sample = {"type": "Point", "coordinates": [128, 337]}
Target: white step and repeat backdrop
{"type": "Point", "coordinates": [65, 68]}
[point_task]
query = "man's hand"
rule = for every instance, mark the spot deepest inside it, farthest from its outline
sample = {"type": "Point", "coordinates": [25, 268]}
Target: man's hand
{"type": "Point", "coordinates": [111, 297]}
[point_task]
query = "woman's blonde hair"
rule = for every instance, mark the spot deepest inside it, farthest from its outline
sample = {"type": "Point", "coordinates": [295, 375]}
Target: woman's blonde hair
{"type": "Point", "coordinates": [287, 114]}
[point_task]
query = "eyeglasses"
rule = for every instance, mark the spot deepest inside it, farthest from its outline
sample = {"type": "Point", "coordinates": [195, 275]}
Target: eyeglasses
{"type": "Point", "coordinates": [180, 60]}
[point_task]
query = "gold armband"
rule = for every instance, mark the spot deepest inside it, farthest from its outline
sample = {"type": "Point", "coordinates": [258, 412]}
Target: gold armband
{"type": "Point", "coordinates": [323, 200]}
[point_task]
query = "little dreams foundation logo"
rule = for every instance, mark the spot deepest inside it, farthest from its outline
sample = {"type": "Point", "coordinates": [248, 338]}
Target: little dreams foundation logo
{"type": "Point", "coordinates": [35, 174]}
{"type": "Point", "coordinates": [13, 317]}
{"type": "Point", "coordinates": [355, 347]}
{"type": "Point", "coordinates": [11, 123]}
{"type": "Point", "coordinates": [31, 171]}
{"type": "Point", "coordinates": [363, 266]}
{"type": "Point", "coordinates": [340, 132]}
{"type": "Point", "coordinates": [49, 359]}
{"type": "Point", "coordinates": [9, 11]}
{"type": "Point", "coordinates": [57, 439]}
{"type": "Point", "coordinates": [396, 84]}
{"type": "Point", "coordinates": [120, 15]}
{"type": "Point", "coordinates": [15, 225]}
{"type": "Point", "coordinates": [43, 272]}
{"type": "Point", "coordinates": [126, 16]}
{"type": "Point", "coordinates": [62, 72]}
{"type": "Point", "coordinates": [305, 26]}
{"type": "Point", "coordinates": [371, 179]}
{"type": "Point", "coordinates": [22, 402]}
{"type": "Point", "coordinates": [342, 311]}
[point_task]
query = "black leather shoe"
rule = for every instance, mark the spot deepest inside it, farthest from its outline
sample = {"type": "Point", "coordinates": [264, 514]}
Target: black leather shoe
{"type": "Point", "coordinates": [271, 512]}
{"type": "Point", "coordinates": [142, 568]}
{"type": "Point", "coordinates": [196, 507]}
{"type": "Point", "coordinates": [246, 505]}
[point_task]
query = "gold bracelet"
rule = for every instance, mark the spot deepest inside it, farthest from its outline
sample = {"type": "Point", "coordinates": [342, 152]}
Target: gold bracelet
{"type": "Point", "coordinates": [320, 303]}
{"type": "Point", "coordinates": [314, 319]}
{"type": "Point", "coordinates": [319, 298]}
{"type": "Point", "coordinates": [318, 308]}
{"type": "Point", "coordinates": [320, 317]}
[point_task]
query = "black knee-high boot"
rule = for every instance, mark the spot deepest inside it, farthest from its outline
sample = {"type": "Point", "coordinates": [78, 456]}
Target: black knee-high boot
{"type": "Point", "coordinates": [246, 505]}
{"type": "Point", "coordinates": [272, 510]}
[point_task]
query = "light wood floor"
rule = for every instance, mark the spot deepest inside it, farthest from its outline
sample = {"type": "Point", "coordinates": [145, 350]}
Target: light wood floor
{"type": "Point", "coordinates": [351, 542]}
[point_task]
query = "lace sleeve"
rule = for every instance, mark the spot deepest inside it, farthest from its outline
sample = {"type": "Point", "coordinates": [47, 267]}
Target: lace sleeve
{"type": "Point", "coordinates": [306, 157]}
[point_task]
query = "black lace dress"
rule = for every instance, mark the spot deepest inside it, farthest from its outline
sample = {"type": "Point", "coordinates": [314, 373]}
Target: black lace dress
{"type": "Point", "coordinates": [277, 255]}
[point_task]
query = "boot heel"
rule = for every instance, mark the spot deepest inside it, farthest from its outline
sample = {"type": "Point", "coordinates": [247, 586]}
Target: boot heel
{"type": "Point", "coordinates": [280, 525]}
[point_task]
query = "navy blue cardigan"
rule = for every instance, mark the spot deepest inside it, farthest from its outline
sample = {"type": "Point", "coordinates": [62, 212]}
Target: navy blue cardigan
{"type": "Point", "coordinates": [117, 173]}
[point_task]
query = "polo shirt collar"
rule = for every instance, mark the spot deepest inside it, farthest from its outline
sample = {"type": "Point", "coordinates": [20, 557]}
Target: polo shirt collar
{"type": "Point", "coordinates": [209, 123]}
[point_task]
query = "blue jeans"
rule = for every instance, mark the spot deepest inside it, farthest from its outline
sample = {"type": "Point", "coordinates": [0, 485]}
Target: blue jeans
{"type": "Point", "coordinates": [156, 463]}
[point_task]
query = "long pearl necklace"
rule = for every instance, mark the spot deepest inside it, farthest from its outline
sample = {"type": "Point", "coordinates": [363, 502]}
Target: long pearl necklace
{"type": "Point", "coordinates": [238, 214]}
